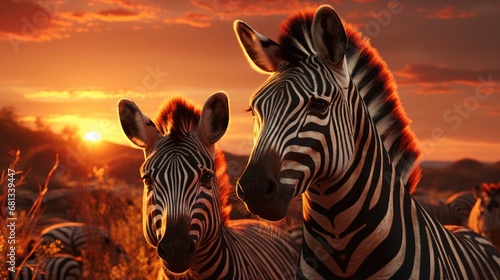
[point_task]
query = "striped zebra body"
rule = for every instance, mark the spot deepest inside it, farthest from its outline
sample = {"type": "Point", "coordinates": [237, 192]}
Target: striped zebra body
{"type": "Point", "coordinates": [185, 201]}
{"type": "Point", "coordinates": [485, 214]}
{"type": "Point", "coordinates": [57, 267]}
{"type": "Point", "coordinates": [75, 237]}
{"type": "Point", "coordinates": [455, 211]}
{"type": "Point", "coordinates": [351, 156]}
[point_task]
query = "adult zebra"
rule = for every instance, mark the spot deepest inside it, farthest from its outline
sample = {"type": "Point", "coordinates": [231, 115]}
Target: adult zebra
{"type": "Point", "coordinates": [455, 211]}
{"type": "Point", "coordinates": [485, 214]}
{"type": "Point", "coordinates": [328, 124]}
{"type": "Point", "coordinates": [56, 267]}
{"type": "Point", "coordinates": [185, 201]}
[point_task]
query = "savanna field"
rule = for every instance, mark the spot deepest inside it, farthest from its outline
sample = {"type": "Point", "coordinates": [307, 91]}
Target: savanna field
{"type": "Point", "coordinates": [51, 190]}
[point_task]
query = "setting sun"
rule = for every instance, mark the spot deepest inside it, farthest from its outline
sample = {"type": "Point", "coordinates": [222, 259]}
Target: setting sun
{"type": "Point", "coordinates": [92, 136]}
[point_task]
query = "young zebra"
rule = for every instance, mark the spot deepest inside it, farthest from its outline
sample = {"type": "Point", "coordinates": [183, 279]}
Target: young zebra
{"type": "Point", "coordinates": [57, 267]}
{"type": "Point", "coordinates": [77, 236]}
{"type": "Point", "coordinates": [328, 125]}
{"type": "Point", "coordinates": [455, 211]}
{"type": "Point", "coordinates": [185, 201]}
{"type": "Point", "coordinates": [485, 215]}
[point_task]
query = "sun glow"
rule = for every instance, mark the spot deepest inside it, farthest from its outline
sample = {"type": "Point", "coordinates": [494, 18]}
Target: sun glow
{"type": "Point", "coordinates": [92, 136]}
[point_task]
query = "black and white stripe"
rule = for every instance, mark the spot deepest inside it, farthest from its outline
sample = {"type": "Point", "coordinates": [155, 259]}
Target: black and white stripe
{"type": "Point", "coordinates": [186, 194]}
{"type": "Point", "coordinates": [351, 156]}
{"type": "Point", "coordinates": [56, 267]}
{"type": "Point", "coordinates": [74, 237]}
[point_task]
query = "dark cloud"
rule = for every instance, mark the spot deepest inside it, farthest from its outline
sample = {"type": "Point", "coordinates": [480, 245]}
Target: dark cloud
{"type": "Point", "coordinates": [119, 14]}
{"type": "Point", "coordinates": [27, 21]}
{"type": "Point", "coordinates": [431, 74]}
{"type": "Point", "coordinates": [451, 12]}
{"type": "Point", "coordinates": [36, 21]}
{"type": "Point", "coordinates": [495, 113]}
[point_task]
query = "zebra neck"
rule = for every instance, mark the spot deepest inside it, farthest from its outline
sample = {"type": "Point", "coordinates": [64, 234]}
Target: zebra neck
{"type": "Point", "coordinates": [209, 243]}
{"type": "Point", "coordinates": [348, 220]}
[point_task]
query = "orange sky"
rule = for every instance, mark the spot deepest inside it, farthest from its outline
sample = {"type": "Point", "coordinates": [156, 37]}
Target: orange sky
{"type": "Point", "coordinates": [70, 61]}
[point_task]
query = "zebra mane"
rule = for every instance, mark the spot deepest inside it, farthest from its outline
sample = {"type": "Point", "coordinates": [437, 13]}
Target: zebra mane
{"type": "Point", "coordinates": [295, 36]}
{"type": "Point", "coordinates": [490, 187]}
{"type": "Point", "coordinates": [179, 117]}
{"type": "Point", "coordinates": [375, 83]}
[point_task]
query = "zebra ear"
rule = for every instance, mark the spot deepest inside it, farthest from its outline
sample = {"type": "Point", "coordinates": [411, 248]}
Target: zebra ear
{"type": "Point", "coordinates": [330, 41]}
{"type": "Point", "coordinates": [137, 126]}
{"type": "Point", "coordinates": [476, 191]}
{"type": "Point", "coordinates": [214, 118]}
{"type": "Point", "coordinates": [260, 51]}
{"type": "Point", "coordinates": [481, 191]}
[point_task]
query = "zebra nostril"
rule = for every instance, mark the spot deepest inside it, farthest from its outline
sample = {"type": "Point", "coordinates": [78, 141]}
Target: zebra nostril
{"type": "Point", "coordinates": [191, 250]}
{"type": "Point", "coordinates": [271, 190]}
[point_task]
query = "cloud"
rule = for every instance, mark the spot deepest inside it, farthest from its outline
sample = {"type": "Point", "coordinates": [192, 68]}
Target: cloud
{"type": "Point", "coordinates": [122, 3]}
{"type": "Point", "coordinates": [420, 73]}
{"type": "Point", "coordinates": [451, 12]}
{"type": "Point", "coordinates": [30, 21]}
{"type": "Point", "coordinates": [120, 14]}
{"type": "Point", "coordinates": [202, 13]}
{"type": "Point", "coordinates": [191, 18]}
{"type": "Point", "coordinates": [81, 94]}
{"type": "Point", "coordinates": [443, 79]}
{"type": "Point", "coordinates": [89, 94]}
{"type": "Point", "coordinates": [365, 1]}
{"type": "Point", "coordinates": [434, 89]}
{"type": "Point", "coordinates": [494, 113]}
{"type": "Point", "coordinates": [233, 8]}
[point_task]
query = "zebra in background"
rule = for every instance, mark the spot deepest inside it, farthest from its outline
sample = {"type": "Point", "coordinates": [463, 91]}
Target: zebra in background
{"type": "Point", "coordinates": [328, 125]}
{"type": "Point", "coordinates": [56, 267]}
{"type": "Point", "coordinates": [485, 215]}
{"type": "Point", "coordinates": [71, 239]}
{"type": "Point", "coordinates": [185, 200]}
{"type": "Point", "coordinates": [75, 237]}
{"type": "Point", "coordinates": [455, 211]}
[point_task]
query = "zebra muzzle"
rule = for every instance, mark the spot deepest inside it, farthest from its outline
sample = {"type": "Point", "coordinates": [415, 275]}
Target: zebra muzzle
{"type": "Point", "coordinates": [177, 248]}
{"type": "Point", "coordinates": [263, 198]}
{"type": "Point", "coordinates": [257, 190]}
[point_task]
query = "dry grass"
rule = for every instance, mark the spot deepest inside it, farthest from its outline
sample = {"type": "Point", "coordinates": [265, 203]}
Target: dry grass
{"type": "Point", "coordinates": [25, 219]}
{"type": "Point", "coordinates": [99, 203]}
{"type": "Point", "coordinates": [119, 212]}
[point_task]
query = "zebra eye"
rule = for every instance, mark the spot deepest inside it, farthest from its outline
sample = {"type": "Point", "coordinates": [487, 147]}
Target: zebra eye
{"type": "Point", "coordinates": [147, 180]}
{"type": "Point", "coordinates": [206, 179]}
{"type": "Point", "coordinates": [250, 109]}
{"type": "Point", "coordinates": [319, 105]}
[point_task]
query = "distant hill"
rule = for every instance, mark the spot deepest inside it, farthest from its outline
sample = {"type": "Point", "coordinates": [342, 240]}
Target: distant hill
{"type": "Point", "coordinates": [459, 175]}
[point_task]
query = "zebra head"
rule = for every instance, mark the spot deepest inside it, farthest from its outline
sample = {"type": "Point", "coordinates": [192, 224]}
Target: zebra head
{"type": "Point", "coordinates": [485, 214]}
{"type": "Point", "coordinates": [181, 206]}
{"type": "Point", "coordinates": [303, 124]}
